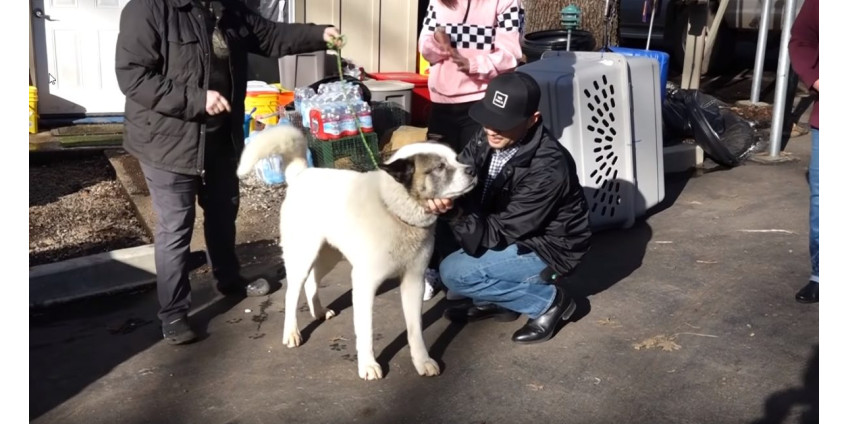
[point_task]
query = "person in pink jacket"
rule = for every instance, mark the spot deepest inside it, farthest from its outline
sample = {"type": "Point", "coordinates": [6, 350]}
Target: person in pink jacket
{"type": "Point", "coordinates": [467, 43]}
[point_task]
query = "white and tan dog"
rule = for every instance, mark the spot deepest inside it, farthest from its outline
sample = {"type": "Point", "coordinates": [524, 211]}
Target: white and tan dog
{"type": "Point", "coordinates": [376, 220]}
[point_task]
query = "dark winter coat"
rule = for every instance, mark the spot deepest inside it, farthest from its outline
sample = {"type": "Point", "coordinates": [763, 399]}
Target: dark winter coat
{"type": "Point", "coordinates": [162, 62]}
{"type": "Point", "coordinates": [536, 202]}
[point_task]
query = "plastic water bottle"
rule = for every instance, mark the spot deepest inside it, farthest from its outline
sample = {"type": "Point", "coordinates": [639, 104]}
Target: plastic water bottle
{"type": "Point", "coordinates": [325, 122]}
{"type": "Point", "coordinates": [306, 106]}
{"type": "Point", "coordinates": [332, 121]}
{"type": "Point", "coordinates": [268, 170]}
{"type": "Point", "coordinates": [363, 113]}
{"type": "Point", "coordinates": [330, 87]}
{"type": "Point", "coordinates": [301, 94]}
{"type": "Point", "coordinates": [348, 120]}
{"type": "Point", "coordinates": [353, 92]}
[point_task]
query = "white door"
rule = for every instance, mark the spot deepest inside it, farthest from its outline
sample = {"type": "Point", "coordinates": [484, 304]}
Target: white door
{"type": "Point", "coordinates": [74, 43]}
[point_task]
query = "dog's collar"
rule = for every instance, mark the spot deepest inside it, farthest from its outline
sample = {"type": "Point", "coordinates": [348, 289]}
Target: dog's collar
{"type": "Point", "coordinates": [406, 221]}
{"type": "Point", "coordinates": [397, 201]}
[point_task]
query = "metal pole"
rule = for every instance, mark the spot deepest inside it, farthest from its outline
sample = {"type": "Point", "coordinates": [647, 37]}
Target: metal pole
{"type": "Point", "coordinates": [757, 80]}
{"type": "Point", "coordinates": [651, 25]}
{"type": "Point", "coordinates": [782, 76]}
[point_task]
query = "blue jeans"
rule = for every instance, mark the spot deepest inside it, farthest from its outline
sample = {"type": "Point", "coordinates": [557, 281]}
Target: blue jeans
{"type": "Point", "coordinates": [503, 278]}
{"type": "Point", "coordinates": [814, 205]}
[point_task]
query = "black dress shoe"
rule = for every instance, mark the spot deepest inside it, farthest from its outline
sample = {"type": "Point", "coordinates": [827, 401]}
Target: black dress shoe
{"type": "Point", "coordinates": [457, 314]}
{"type": "Point", "coordinates": [476, 313]}
{"type": "Point", "coordinates": [489, 310]}
{"type": "Point", "coordinates": [542, 328]}
{"type": "Point", "coordinates": [809, 294]}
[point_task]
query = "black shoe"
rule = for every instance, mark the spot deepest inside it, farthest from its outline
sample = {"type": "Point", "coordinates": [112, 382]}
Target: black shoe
{"type": "Point", "coordinates": [178, 331]}
{"type": "Point", "coordinates": [240, 287]}
{"type": "Point", "coordinates": [542, 328]}
{"type": "Point", "coordinates": [457, 314]}
{"type": "Point", "coordinates": [480, 312]}
{"type": "Point", "coordinates": [473, 313]}
{"type": "Point", "coordinates": [809, 294]}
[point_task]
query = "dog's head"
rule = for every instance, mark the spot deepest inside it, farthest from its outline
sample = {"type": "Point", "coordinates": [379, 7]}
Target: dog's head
{"type": "Point", "coordinates": [429, 170]}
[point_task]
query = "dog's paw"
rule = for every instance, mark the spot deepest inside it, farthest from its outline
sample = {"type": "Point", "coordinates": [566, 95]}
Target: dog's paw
{"type": "Point", "coordinates": [329, 314]}
{"type": "Point", "coordinates": [370, 371]}
{"type": "Point", "coordinates": [292, 338]}
{"type": "Point", "coordinates": [427, 367]}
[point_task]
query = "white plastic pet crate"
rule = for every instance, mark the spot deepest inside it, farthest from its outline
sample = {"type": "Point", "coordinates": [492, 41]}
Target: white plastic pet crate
{"type": "Point", "coordinates": [605, 109]}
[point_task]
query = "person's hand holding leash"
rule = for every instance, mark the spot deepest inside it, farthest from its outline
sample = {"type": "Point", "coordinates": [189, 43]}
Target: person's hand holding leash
{"type": "Point", "coordinates": [332, 36]}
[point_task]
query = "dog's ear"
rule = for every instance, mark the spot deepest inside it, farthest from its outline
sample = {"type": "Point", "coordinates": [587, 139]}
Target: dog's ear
{"type": "Point", "coordinates": [401, 170]}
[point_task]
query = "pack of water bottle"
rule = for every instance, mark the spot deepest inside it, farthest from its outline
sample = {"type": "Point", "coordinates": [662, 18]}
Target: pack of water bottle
{"type": "Point", "coordinates": [335, 111]}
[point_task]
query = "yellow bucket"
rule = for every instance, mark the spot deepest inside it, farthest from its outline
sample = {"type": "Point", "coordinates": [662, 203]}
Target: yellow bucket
{"type": "Point", "coordinates": [266, 107]}
{"type": "Point", "coordinates": [423, 65]}
{"type": "Point", "coordinates": [33, 110]}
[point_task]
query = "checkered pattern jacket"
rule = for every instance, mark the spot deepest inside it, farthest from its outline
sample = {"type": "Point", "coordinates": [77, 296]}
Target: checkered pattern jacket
{"type": "Point", "coordinates": [486, 32]}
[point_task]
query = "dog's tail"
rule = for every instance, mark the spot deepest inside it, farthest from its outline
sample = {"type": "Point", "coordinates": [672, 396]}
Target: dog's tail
{"type": "Point", "coordinates": [283, 140]}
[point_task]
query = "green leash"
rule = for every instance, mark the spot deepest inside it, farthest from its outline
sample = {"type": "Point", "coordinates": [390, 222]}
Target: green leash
{"type": "Point", "coordinates": [337, 44]}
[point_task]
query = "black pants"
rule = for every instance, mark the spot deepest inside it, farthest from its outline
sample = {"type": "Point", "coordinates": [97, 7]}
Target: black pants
{"type": "Point", "coordinates": [174, 197]}
{"type": "Point", "coordinates": [450, 124]}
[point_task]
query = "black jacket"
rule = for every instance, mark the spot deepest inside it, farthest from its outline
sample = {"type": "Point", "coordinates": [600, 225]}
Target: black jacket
{"type": "Point", "coordinates": [535, 202]}
{"type": "Point", "coordinates": [162, 62]}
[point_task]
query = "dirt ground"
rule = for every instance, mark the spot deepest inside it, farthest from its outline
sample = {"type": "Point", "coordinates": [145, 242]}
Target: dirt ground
{"type": "Point", "coordinates": [77, 207]}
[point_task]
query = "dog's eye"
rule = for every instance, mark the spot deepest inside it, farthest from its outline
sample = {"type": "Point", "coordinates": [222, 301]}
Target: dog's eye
{"type": "Point", "coordinates": [440, 167]}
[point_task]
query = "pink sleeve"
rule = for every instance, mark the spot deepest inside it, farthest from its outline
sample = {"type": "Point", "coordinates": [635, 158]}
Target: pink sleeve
{"type": "Point", "coordinates": [426, 42]}
{"type": "Point", "coordinates": [507, 50]}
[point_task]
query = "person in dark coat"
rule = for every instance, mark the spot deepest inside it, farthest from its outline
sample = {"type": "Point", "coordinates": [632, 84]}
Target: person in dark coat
{"type": "Point", "coordinates": [804, 56]}
{"type": "Point", "coordinates": [524, 226]}
{"type": "Point", "coordinates": [182, 65]}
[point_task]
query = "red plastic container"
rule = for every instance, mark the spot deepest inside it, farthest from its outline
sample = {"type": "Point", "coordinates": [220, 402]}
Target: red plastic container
{"type": "Point", "coordinates": [420, 113]}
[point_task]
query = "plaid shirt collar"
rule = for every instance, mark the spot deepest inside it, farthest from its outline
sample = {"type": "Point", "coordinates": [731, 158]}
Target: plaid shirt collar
{"type": "Point", "coordinates": [499, 159]}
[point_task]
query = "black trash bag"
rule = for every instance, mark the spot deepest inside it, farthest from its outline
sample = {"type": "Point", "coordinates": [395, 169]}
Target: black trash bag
{"type": "Point", "coordinates": [725, 137]}
{"type": "Point", "coordinates": [676, 114]}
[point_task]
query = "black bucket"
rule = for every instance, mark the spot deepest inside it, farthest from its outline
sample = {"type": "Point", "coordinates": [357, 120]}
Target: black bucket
{"type": "Point", "coordinates": [536, 43]}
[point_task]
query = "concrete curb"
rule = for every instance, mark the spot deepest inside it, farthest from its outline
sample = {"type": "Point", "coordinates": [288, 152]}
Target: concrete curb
{"type": "Point", "coordinates": [93, 275]}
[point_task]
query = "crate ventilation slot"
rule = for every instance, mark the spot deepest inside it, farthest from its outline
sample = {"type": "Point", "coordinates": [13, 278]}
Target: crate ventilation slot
{"type": "Point", "coordinates": [601, 102]}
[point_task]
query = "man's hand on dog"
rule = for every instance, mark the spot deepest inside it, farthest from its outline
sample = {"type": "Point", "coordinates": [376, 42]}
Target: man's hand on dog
{"type": "Point", "coordinates": [438, 206]}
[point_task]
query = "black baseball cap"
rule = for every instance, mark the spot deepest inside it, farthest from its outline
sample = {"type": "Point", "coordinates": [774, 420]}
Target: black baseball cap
{"type": "Point", "coordinates": [510, 99]}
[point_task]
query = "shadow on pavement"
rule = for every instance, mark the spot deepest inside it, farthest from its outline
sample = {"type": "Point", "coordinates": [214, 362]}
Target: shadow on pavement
{"type": "Point", "coordinates": [116, 328]}
{"type": "Point", "coordinates": [779, 404]}
{"type": "Point", "coordinates": [615, 254]}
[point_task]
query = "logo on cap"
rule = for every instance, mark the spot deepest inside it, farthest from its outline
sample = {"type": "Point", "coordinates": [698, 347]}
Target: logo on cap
{"type": "Point", "coordinates": [500, 99]}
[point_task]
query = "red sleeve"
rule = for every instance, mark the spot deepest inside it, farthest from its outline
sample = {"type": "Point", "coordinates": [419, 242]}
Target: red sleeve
{"type": "Point", "coordinates": [804, 43]}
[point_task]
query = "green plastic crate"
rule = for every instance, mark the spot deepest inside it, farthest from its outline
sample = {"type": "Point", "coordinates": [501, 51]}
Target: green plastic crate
{"type": "Point", "coordinates": [345, 153]}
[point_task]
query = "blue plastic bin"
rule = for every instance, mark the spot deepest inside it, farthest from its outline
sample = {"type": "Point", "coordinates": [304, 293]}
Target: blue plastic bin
{"type": "Point", "coordinates": [661, 57]}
